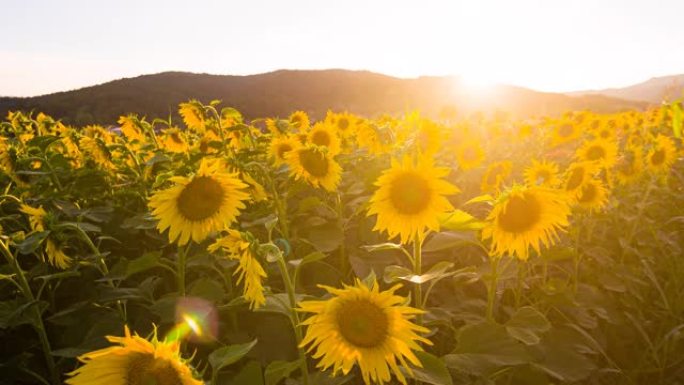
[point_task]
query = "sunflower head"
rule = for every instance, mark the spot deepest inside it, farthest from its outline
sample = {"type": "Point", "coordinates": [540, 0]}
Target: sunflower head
{"type": "Point", "coordinates": [593, 195]}
{"type": "Point", "coordinates": [315, 166]}
{"type": "Point", "coordinates": [299, 120]}
{"type": "Point", "coordinates": [630, 165]}
{"type": "Point", "coordinates": [249, 272]}
{"type": "Point", "coordinates": [662, 154]}
{"type": "Point", "coordinates": [576, 175]}
{"type": "Point", "coordinates": [198, 205]}
{"type": "Point", "coordinates": [323, 135]}
{"type": "Point", "coordinates": [542, 173]}
{"type": "Point", "coordinates": [130, 127]}
{"type": "Point", "coordinates": [526, 217]}
{"type": "Point", "coordinates": [495, 175]}
{"type": "Point", "coordinates": [174, 140]}
{"type": "Point", "coordinates": [601, 151]}
{"type": "Point", "coordinates": [469, 154]}
{"type": "Point", "coordinates": [564, 131]}
{"type": "Point", "coordinates": [280, 146]}
{"type": "Point", "coordinates": [361, 325]}
{"type": "Point", "coordinates": [410, 196]}
{"type": "Point", "coordinates": [193, 115]}
{"type": "Point", "coordinates": [134, 361]}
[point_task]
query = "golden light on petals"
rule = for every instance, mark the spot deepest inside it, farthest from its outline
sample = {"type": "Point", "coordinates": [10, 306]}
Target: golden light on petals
{"type": "Point", "coordinates": [361, 325]}
{"type": "Point", "coordinates": [526, 217]}
{"type": "Point", "coordinates": [196, 206]}
{"type": "Point", "coordinates": [411, 195]}
{"type": "Point", "coordinates": [134, 361]}
{"type": "Point", "coordinates": [314, 166]}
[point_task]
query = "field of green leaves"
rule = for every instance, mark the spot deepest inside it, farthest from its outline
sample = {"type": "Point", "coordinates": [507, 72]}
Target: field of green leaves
{"type": "Point", "coordinates": [214, 249]}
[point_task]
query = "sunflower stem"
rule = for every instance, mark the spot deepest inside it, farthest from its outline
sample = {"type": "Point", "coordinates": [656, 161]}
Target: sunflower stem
{"type": "Point", "coordinates": [340, 224]}
{"type": "Point", "coordinates": [290, 288]}
{"type": "Point", "coordinates": [181, 262]}
{"type": "Point", "coordinates": [491, 288]}
{"type": "Point", "coordinates": [417, 270]}
{"type": "Point", "coordinates": [38, 324]}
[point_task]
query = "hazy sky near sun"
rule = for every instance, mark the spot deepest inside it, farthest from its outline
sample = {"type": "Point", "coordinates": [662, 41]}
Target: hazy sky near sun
{"type": "Point", "coordinates": [550, 45]}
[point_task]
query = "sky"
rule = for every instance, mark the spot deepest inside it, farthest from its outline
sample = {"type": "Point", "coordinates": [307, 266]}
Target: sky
{"type": "Point", "coordinates": [48, 46]}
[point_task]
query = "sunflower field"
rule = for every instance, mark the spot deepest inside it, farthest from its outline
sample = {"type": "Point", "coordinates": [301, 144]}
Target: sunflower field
{"type": "Point", "coordinates": [214, 249]}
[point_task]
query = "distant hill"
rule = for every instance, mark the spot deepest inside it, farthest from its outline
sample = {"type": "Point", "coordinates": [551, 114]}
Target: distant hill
{"type": "Point", "coordinates": [281, 92]}
{"type": "Point", "coordinates": [654, 90]}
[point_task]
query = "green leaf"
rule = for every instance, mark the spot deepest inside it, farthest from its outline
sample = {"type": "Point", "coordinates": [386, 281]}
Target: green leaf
{"type": "Point", "coordinates": [250, 374]}
{"type": "Point", "coordinates": [562, 359]}
{"type": "Point", "coordinates": [278, 370]}
{"type": "Point", "coordinates": [481, 198]}
{"type": "Point", "coordinates": [527, 324]}
{"type": "Point", "coordinates": [485, 348]}
{"type": "Point", "coordinates": [325, 238]}
{"type": "Point", "coordinates": [434, 371]}
{"type": "Point", "coordinates": [140, 222]}
{"type": "Point", "coordinates": [382, 246]}
{"type": "Point", "coordinates": [145, 262]}
{"type": "Point", "coordinates": [460, 221]}
{"type": "Point", "coordinates": [32, 242]}
{"type": "Point", "coordinates": [394, 273]}
{"type": "Point", "coordinates": [227, 355]}
{"type": "Point", "coordinates": [449, 239]}
{"type": "Point", "coordinates": [207, 288]}
{"type": "Point", "coordinates": [270, 252]}
{"type": "Point", "coordinates": [309, 258]}
{"type": "Point", "coordinates": [438, 271]}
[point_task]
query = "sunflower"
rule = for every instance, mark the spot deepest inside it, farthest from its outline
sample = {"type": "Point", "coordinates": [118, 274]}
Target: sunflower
{"type": "Point", "coordinates": [280, 146]}
{"type": "Point", "coordinates": [630, 165]}
{"type": "Point", "coordinates": [299, 120]}
{"type": "Point", "coordinates": [277, 126]}
{"type": "Point", "coordinates": [469, 154]}
{"type": "Point", "coordinates": [99, 132]}
{"type": "Point", "coordinates": [427, 138]}
{"type": "Point", "coordinates": [255, 189]}
{"type": "Point", "coordinates": [97, 150]}
{"type": "Point", "coordinates": [130, 128]}
{"type": "Point", "coordinates": [524, 217]}
{"type": "Point", "coordinates": [195, 206]}
{"type": "Point", "coordinates": [344, 123]}
{"type": "Point", "coordinates": [375, 137]}
{"type": "Point", "coordinates": [36, 216]}
{"type": "Point", "coordinates": [365, 326]}
{"type": "Point", "coordinates": [662, 154]}
{"type": "Point", "coordinates": [410, 197]}
{"type": "Point", "coordinates": [314, 166]}
{"type": "Point", "coordinates": [495, 175]}
{"type": "Point", "coordinates": [601, 151]}
{"type": "Point", "coordinates": [576, 175]}
{"type": "Point", "coordinates": [249, 271]}
{"type": "Point", "coordinates": [593, 195]}
{"type": "Point", "coordinates": [564, 132]}
{"type": "Point", "coordinates": [134, 361]}
{"type": "Point", "coordinates": [323, 135]}
{"type": "Point", "coordinates": [544, 173]}
{"type": "Point", "coordinates": [193, 115]}
{"type": "Point", "coordinates": [174, 140]}
{"type": "Point", "coordinates": [56, 255]}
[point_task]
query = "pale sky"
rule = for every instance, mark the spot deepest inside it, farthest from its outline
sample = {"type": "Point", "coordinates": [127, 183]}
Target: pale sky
{"type": "Point", "coordinates": [549, 45]}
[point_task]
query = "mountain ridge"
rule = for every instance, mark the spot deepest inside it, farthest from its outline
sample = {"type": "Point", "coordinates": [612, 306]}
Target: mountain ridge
{"type": "Point", "coordinates": [280, 92]}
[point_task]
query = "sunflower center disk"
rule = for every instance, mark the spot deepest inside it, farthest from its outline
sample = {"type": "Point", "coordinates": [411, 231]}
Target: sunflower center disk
{"type": "Point", "coordinates": [520, 214]}
{"type": "Point", "coordinates": [410, 194]}
{"type": "Point", "coordinates": [343, 124]}
{"type": "Point", "coordinates": [565, 130]}
{"type": "Point", "coordinates": [283, 149]}
{"type": "Point", "coordinates": [314, 163]}
{"type": "Point", "coordinates": [362, 323]}
{"type": "Point", "coordinates": [144, 369]}
{"type": "Point", "coordinates": [469, 154]}
{"type": "Point", "coordinates": [201, 198]}
{"type": "Point", "coordinates": [596, 153]}
{"type": "Point", "coordinates": [576, 178]}
{"type": "Point", "coordinates": [658, 158]}
{"type": "Point", "coordinates": [320, 138]}
{"type": "Point", "coordinates": [588, 193]}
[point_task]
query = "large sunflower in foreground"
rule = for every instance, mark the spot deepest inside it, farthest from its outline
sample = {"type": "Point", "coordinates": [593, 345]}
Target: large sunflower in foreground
{"type": "Point", "coordinates": [542, 173]}
{"type": "Point", "coordinates": [365, 326]}
{"type": "Point", "coordinates": [662, 155]}
{"type": "Point", "coordinates": [135, 361]}
{"type": "Point", "coordinates": [314, 166]}
{"type": "Point", "coordinates": [410, 197]}
{"type": "Point", "coordinates": [249, 271]}
{"type": "Point", "coordinates": [524, 217]}
{"type": "Point", "coordinates": [195, 206]}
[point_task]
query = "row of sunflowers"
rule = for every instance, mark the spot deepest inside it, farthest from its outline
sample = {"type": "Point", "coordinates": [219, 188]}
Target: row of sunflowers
{"type": "Point", "coordinates": [478, 249]}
